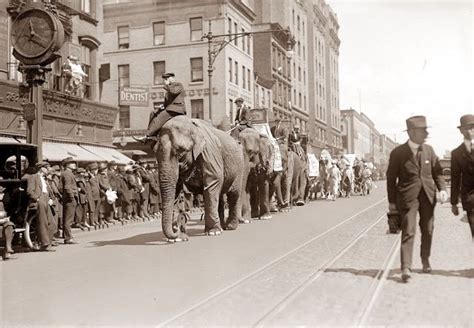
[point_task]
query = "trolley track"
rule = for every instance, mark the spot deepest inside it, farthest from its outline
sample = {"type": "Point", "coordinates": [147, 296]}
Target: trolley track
{"type": "Point", "coordinates": [242, 302]}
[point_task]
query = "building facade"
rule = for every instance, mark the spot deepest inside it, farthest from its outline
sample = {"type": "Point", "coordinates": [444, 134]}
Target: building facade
{"type": "Point", "coordinates": [311, 97]}
{"type": "Point", "coordinates": [68, 120]}
{"type": "Point", "coordinates": [143, 39]}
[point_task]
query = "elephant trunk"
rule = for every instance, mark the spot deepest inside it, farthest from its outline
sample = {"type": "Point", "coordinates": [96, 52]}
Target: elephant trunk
{"type": "Point", "coordinates": [168, 176]}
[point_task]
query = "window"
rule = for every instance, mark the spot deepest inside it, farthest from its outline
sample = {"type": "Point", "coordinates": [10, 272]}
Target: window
{"type": "Point", "coordinates": [86, 6]}
{"type": "Point", "coordinates": [230, 70]}
{"type": "Point", "coordinates": [299, 48]}
{"type": "Point", "coordinates": [196, 69]}
{"type": "Point", "coordinates": [229, 27]}
{"type": "Point", "coordinates": [158, 33]}
{"type": "Point", "coordinates": [304, 53]}
{"type": "Point", "coordinates": [299, 73]}
{"type": "Point", "coordinates": [248, 44]}
{"type": "Point", "coordinates": [86, 67]}
{"type": "Point", "coordinates": [235, 31]}
{"type": "Point", "coordinates": [249, 80]}
{"type": "Point", "coordinates": [231, 110]}
{"type": "Point", "coordinates": [124, 117]}
{"type": "Point", "coordinates": [299, 100]}
{"type": "Point", "coordinates": [159, 68]}
{"type": "Point", "coordinates": [236, 72]}
{"type": "Point", "coordinates": [196, 28]}
{"type": "Point", "coordinates": [124, 75]}
{"type": "Point", "coordinates": [243, 77]}
{"type": "Point", "coordinates": [298, 22]}
{"type": "Point", "coordinates": [243, 41]}
{"type": "Point", "coordinates": [124, 81]}
{"type": "Point", "coordinates": [197, 108]}
{"type": "Point", "coordinates": [123, 37]}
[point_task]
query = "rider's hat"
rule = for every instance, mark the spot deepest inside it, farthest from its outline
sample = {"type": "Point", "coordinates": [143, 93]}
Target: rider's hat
{"type": "Point", "coordinates": [167, 75]}
{"type": "Point", "coordinates": [238, 100]}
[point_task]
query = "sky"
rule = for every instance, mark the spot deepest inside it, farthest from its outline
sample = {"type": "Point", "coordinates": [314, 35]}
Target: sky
{"type": "Point", "coordinates": [402, 58]}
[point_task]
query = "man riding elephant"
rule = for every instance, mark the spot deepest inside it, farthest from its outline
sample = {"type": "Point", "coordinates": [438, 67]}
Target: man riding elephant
{"type": "Point", "coordinates": [173, 106]}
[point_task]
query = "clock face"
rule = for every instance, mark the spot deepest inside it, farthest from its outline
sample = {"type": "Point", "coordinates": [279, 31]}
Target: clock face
{"type": "Point", "coordinates": [33, 33]}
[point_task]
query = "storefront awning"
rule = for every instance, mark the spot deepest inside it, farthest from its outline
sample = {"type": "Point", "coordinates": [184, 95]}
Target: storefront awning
{"type": "Point", "coordinates": [8, 140]}
{"type": "Point", "coordinates": [107, 154]}
{"type": "Point", "coordinates": [56, 152]}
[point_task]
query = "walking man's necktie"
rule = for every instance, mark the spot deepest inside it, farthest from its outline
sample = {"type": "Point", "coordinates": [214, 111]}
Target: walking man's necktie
{"type": "Point", "coordinates": [418, 155]}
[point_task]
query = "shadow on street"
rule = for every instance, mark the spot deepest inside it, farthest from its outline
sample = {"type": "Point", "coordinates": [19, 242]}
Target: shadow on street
{"type": "Point", "coordinates": [395, 274]}
{"type": "Point", "coordinates": [146, 239]}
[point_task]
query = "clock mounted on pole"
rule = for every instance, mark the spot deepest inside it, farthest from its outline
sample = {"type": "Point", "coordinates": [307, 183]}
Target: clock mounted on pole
{"type": "Point", "coordinates": [37, 35]}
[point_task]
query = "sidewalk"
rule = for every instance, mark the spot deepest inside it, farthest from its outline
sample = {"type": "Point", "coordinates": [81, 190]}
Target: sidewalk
{"type": "Point", "coordinates": [444, 297]}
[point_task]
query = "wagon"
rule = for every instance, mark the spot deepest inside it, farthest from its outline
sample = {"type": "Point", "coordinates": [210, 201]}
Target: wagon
{"type": "Point", "coordinates": [17, 160]}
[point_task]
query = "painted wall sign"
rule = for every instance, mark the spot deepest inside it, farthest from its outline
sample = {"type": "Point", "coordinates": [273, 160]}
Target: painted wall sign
{"type": "Point", "coordinates": [134, 96]}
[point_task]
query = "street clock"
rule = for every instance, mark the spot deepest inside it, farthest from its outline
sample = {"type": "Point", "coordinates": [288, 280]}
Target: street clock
{"type": "Point", "coordinates": [36, 36]}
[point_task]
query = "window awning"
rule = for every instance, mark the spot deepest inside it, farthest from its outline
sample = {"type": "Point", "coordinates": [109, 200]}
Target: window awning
{"type": "Point", "coordinates": [132, 152]}
{"type": "Point", "coordinates": [107, 154]}
{"type": "Point", "coordinates": [56, 152]}
{"type": "Point", "coordinates": [8, 140]}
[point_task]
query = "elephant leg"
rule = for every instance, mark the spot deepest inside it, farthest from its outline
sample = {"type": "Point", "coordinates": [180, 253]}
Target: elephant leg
{"type": "Point", "coordinates": [221, 211]}
{"type": "Point", "coordinates": [212, 190]}
{"type": "Point", "coordinates": [264, 198]}
{"type": "Point", "coordinates": [234, 208]}
{"type": "Point", "coordinates": [245, 196]}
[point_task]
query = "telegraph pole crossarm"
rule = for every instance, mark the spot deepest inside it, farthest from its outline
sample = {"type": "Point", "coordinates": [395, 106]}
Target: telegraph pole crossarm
{"type": "Point", "coordinates": [219, 45]}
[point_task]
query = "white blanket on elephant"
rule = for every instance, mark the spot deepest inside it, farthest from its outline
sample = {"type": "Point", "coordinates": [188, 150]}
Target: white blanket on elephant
{"type": "Point", "coordinates": [264, 129]}
{"type": "Point", "coordinates": [313, 165]}
{"type": "Point", "coordinates": [213, 163]}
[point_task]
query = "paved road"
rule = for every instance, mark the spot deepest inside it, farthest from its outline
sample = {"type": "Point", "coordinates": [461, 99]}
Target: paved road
{"type": "Point", "coordinates": [130, 276]}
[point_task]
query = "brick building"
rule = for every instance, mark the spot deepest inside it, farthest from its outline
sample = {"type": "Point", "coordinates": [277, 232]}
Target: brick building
{"type": "Point", "coordinates": [78, 126]}
{"type": "Point", "coordinates": [309, 93]}
{"type": "Point", "coordinates": [143, 39]}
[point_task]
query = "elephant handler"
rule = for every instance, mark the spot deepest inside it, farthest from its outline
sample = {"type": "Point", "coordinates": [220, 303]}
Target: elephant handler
{"type": "Point", "coordinates": [413, 174]}
{"type": "Point", "coordinates": [173, 106]}
{"type": "Point", "coordinates": [462, 171]}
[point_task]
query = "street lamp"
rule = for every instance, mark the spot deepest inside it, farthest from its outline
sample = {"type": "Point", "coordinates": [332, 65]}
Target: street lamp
{"type": "Point", "coordinates": [219, 42]}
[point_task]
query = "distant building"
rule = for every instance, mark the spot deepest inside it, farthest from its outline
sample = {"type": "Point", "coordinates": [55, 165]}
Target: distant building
{"type": "Point", "coordinates": [70, 123]}
{"type": "Point", "coordinates": [360, 137]}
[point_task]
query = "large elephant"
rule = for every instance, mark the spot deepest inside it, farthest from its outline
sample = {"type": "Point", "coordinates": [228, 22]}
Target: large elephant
{"type": "Point", "coordinates": [208, 161]}
{"type": "Point", "coordinates": [257, 151]}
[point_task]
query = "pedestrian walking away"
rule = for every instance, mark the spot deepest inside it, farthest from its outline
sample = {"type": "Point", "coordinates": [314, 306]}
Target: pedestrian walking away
{"type": "Point", "coordinates": [462, 172]}
{"type": "Point", "coordinates": [413, 174]}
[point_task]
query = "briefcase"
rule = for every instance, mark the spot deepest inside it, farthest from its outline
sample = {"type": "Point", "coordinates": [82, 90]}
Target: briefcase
{"type": "Point", "coordinates": [394, 222]}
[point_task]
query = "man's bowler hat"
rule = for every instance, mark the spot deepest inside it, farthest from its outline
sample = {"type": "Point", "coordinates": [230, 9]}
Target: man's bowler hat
{"type": "Point", "coordinates": [416, 122]}
{"type": "Point", "coordinates": [466, 120]}
{"type": "Point", "coordinates": [112, 163]}
{"type": "Point", "coordinates": [68, 160]}
{"type": "Point", "coordinates": [42, 164]}
{"type": "Point", "coordinates": [81, 170]}
{"type": "Point", "coordinates": [93, 166]}
{"type": "Point", "coordinates": [167, 75]}
{"type": "Point", "coordinates": [102, 166]}
{"type": "Point", "coordinates": [238, 100]}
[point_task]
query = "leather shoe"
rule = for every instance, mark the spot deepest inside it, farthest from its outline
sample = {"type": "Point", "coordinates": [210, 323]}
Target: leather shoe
{"type": "Point", "coordinates": [70, 242]}
{"type": "Point", "coordinates": [47, 248]}
{"type": "Point", "coordinates": [406, 275]}
{"type": "Point", "coordinates": [426, 267]}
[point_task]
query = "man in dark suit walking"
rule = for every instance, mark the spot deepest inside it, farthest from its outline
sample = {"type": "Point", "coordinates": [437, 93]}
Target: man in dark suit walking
{"type": "Point", "coordinates": [40, 201]}
{"type": "Point", "coordinates": [69, 197]}
{"type": "Point", "coordinates": [413, 174]}
{"type": "Point", "coordinates": [462, 171]}
{"type": "Point", "coordinates": [173, 106]}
